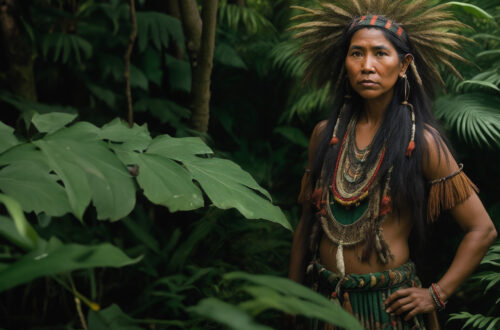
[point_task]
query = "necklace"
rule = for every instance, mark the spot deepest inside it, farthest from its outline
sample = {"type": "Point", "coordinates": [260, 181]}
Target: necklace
{"type": "Point", "coordinates": [351, 179]}
{"type": "Point", "coordinates": [352, 183]}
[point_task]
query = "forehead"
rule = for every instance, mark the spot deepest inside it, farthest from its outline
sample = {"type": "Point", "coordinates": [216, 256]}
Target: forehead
{"type": "Point", "coordinates": [370, 37]}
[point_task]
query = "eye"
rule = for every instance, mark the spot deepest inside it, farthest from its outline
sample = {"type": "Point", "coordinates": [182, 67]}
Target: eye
{"type": "Point", "coordinates": [381, 53]}
{"type": "Point", "coordinates": [356, 53]}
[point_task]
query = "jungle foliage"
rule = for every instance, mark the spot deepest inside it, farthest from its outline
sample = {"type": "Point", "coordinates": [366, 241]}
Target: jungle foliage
{"type": "Point", "coordinates": [109, 224]}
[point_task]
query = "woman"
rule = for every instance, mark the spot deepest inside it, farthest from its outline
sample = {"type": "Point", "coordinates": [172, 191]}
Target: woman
{"type": "Point", "coordinates": [378, 169]}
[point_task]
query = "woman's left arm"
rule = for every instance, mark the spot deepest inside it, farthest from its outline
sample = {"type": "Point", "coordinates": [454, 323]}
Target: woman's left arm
{"type": "Point", "coordinates": [479, 230]}
{"type": "Point", "coordinates": [480, 233]}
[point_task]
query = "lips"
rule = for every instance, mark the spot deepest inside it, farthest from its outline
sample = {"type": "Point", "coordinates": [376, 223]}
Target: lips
{"type": "Point", "coordinates": [367, 83]}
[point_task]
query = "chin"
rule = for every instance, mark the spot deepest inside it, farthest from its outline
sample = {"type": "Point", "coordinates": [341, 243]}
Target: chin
{"type": "Point", "coordinates": [370, 95]}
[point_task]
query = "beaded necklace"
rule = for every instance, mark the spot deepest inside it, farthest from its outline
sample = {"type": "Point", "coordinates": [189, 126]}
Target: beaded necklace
{"type": "Point", "coordinates": [352, 184]}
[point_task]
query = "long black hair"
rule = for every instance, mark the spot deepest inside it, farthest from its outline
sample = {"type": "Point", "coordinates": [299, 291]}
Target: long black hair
{"type": "Point", "coordinates": [408, 187]}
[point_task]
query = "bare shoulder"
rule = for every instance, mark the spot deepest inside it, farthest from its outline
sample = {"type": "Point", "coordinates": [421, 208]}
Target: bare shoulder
{"type": "Point", "coordinates": [319, 128]}
{"type": "Point", "coordinates": [316, 135]}
{"type": "Point", "coordinates": [438, 162]}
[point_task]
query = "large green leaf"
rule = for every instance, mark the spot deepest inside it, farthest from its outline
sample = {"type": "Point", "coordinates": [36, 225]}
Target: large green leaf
{"type": "Point", "coordinates": [271, 292]}
{"type": "Point", "coordinates": [471, 9]}
{"type": "Point", "coordinates": [225, 183]}
{"type": "Point", "coordinates": [89, 170]}
{"type": "Point", "coordinates": [135, 138]}
{"type": "Point", "coordinates": [228, 186]}
{"type": "Point", "coordinates": [51, 122]}
{"type": "Point", "coordinates": [7, 138]}
{"type": "Point", "coordinates": [34, 188]}
{"type": "Point", "coordinates": [57, 258]}
{"type": "Point", "coordinates": [226, 314]}
{"type": "Point", "coordinates": [167, 183]}
{"type": "Point", "coordinates": [180, 149]}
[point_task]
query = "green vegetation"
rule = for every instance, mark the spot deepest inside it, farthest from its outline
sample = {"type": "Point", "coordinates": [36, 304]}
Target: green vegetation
{"type": "Point", "coordinates": [112, 219]}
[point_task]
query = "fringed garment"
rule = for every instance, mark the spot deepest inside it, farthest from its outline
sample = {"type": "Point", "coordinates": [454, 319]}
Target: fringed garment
{"type": "Point", "coordinates": [363, 295]}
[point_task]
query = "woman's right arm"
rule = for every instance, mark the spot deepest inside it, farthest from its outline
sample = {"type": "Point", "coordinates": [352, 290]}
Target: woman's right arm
{"type": "Point", "coordinates": [300, 243]}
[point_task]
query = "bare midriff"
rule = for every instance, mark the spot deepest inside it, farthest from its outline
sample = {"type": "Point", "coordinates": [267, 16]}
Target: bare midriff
{"type": "Point", "coordinates": [395, 232]}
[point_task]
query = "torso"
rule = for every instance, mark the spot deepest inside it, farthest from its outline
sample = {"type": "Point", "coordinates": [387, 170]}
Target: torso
{"type": "Point", "coordinates": [396, 230]}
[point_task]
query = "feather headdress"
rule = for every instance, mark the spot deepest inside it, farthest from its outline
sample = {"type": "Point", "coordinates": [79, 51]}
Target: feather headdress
{"type": "Point", "coordinates": [430, 31]}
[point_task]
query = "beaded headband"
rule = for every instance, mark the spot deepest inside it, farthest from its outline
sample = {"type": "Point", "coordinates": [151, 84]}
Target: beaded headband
{"type": "Point", "coordinates": [379, 21]}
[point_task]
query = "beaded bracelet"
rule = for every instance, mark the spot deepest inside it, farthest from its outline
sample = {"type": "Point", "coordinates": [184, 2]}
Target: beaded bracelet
{"type": "Point", "coordinates": [440, 304]}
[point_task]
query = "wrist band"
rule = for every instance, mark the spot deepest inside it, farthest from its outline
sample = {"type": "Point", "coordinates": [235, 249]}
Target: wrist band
{"type": "Point", "coordinates": [440, 304]}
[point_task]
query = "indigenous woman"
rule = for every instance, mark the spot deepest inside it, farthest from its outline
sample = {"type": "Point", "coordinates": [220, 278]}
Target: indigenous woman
{"type": "Point", "coordinates": [379, 170]}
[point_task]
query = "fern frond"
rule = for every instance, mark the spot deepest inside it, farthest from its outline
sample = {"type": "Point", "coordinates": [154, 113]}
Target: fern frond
{"type": "Point", "coordinates": [476, 321]}
{"type": "Point", "coordinates": [253, 22]}
{"type": "Point", "coordinates": [158, 28]}
{"type": "Point", "coordinates": [62, 45]}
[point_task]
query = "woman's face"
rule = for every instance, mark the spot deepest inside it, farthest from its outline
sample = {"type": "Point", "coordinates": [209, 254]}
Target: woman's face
{"type": "Point", "coordinates": [373, 65]}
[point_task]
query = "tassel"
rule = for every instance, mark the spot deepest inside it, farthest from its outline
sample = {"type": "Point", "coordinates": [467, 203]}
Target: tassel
{"type": "Point", "coordinates": [410, 148]}
{"type": "Point", "coordinates": [340, 259]}
{"type": "Point", "coordinates": [447, 192]}
{"type": "Point", "coordinates": [385, 206]}
{"type": "Point", "coordinates": [411, 144]}
{"type": "Point", "coordinates": [335, 139]}
{"type": "Point", "coordinates": [316, 198]}
{"type": "Point", "coordinates": [347, 303]}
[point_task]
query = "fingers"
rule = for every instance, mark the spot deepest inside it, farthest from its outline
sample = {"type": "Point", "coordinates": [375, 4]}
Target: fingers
{"type": "Point", "coordinates": [400, 306]}
{"type": "Point", "coordinates": [411, 301]}
{"type": "Point", "coordinates": [396, 295]}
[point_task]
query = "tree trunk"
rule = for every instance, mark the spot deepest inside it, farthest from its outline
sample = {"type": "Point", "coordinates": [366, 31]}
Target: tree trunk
{"type": "Point", "coordinates": [200, 46]}
{"type": "Point", "coordinates": [16, 53]}
{"type": "Point", "coordinates": [192, 26]}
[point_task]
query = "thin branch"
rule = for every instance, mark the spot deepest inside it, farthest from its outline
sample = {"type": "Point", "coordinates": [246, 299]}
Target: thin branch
{"type": "Point", "coordinates": [128, 55]}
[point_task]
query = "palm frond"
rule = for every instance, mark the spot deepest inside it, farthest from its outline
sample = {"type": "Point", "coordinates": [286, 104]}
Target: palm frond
{"type": "Point", "coordinates": [305, 101]}
{"type": "Point", "coordinates": [474, 116]}
{"type": "Point", "coordinates": [284, 55]}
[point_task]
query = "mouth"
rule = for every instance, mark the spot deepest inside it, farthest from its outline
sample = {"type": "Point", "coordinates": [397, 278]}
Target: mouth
{"type": "Point", "coordinates": [367, 83]}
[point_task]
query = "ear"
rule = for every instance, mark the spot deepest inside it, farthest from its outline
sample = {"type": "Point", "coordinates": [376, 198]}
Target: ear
{"type": "Point", "coordinates": [405, 64]}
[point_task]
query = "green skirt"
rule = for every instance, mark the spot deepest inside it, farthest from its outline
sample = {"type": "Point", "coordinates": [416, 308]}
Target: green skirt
{"type": "Point", "coordinates": [363, 295]}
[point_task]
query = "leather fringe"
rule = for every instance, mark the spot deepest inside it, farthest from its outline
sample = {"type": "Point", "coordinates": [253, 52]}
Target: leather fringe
{"type": "Point", "coordinates": [445, 194]}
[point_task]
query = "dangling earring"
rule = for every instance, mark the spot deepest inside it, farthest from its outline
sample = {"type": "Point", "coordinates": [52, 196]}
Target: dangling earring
{"type": "Point", "coordinates": [411, 144]}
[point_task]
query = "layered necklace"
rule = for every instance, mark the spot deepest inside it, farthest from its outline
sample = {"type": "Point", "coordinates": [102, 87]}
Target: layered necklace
{"type": "Point", "coordinates": [353, 183]}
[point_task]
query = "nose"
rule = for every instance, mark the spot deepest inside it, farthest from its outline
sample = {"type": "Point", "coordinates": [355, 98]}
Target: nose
{"type": "Point", "coordinates": [367, 64]}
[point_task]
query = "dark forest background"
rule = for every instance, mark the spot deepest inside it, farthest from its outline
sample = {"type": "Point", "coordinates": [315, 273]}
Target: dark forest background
{"type": "Point", "coordinates": [150, 160]}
